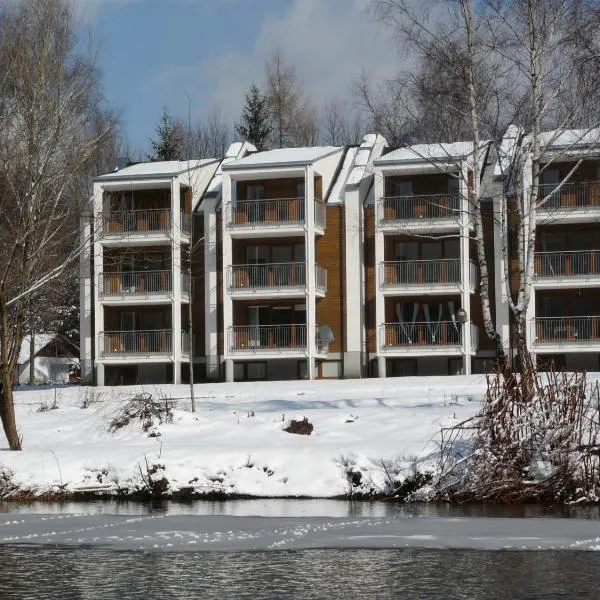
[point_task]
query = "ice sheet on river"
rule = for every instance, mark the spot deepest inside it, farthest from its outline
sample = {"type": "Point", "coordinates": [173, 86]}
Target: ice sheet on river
{"type": "Point", "coordinates": [159, 533]}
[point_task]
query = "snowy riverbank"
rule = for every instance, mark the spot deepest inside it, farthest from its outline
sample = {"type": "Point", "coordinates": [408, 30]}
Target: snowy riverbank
{"type": "Point", "coordinates": [235, 444]}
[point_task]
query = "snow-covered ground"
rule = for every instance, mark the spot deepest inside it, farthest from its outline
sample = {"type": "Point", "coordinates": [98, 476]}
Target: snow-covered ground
{"type": "Point", "coordinates": [234, 442]}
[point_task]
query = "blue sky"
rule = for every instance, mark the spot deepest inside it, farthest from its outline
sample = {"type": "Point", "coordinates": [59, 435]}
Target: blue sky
{"type": "Point", "coordinates": [159, 52]}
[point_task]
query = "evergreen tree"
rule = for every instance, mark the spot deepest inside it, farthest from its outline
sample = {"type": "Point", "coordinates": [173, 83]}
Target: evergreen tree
{"type": "Point", "coordinates": [168, 146]}
{"type": "Point", "coordinates": [254, 124]}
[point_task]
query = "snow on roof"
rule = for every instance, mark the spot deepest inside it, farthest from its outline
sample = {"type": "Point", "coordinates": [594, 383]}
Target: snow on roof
{"type": "Point", "coordinates": [337, 191]}
{"type": "Point", "coordinates": [283, 157]}
{"type": "Point", "coordinates": [362, 157]}
{"type": "Point", "coordinates": [164, 168]}
{"type": "Point", "coordinates": [569, 138]}
{"type": "Point", "coordinates": [427, 153]}
{"type": "Point", "coordinates": [41, 340]}
{"type": "Point", "coordinates": [235, 150]}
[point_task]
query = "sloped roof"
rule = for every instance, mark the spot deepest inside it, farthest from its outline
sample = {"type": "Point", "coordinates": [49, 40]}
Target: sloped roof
{"type": "Point", "coordinates": [282, 157]}
{"type": "Point", "coordinates": [41, 340]}
{"type": "Point", "coordinates": [569, 138]}
{"type": "Point", "coordinates": [165, 168]}
{"type": "Point", "coordinates": [424, 153]}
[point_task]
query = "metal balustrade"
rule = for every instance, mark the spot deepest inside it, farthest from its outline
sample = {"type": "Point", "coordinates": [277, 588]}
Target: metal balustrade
{"type": "Point", "coordinates": [120, 343]}
{"type": "Point", "coordinates": [273, 275]}
{"type": "Point", "coordinates": [185, 342]}
{"type": "Point", "coordinates": [409, 334]}
{"type": "Point", "coordinates": [422, 207]}
{"type": "Point", "coordinates": [571, 196]}
{"type": "Point", "coordinates": [136, 222]}
{"type": "Point", "coordinates": [550, 330]}
{"type": "Point", "coordinates": [267, 337]}
{"type": "Point", "coordinates": [576, 263]}
{"type": "Point", "coordinates": [261, 213]}
{"type": "Point", "coordinates": [124, 283]}
{"type": "Point", "coordinates": [186, 223]}
{"type": "Point", "coordinates": [421, 272]}
{"type": "Point", "coordinates": [185, 283]}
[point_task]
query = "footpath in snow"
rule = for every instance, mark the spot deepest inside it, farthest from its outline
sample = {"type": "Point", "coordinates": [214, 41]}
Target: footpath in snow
{"type": "Point", "coordinates": [235, 442]}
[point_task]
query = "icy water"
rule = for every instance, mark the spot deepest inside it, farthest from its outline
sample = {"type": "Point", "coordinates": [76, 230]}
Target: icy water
{"type": "Point", "coordinates": [297, 549]}
{"type": "Point", "coordinates": [39, 573]}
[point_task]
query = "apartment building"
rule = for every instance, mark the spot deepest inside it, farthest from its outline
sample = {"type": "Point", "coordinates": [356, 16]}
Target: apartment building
{"type": "Point", "coordinates": [332, 262]}
{"type": "Point", "coordinates": [564, 312]}
{"type": "Point", "coordinates": [427, 317]}
{"type": "Point", "coordinates": [291, 261]}
{"type": "Point", "coordinates": [135, 285]}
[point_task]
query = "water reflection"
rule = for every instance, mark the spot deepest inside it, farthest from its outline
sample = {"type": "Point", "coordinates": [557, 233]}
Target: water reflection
{"type": "Point", "coordinates": [300, 508]}
{"type": "Point", "coordinates": [63, 573]}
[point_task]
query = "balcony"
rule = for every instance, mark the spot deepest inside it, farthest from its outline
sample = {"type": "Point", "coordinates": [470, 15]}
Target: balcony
{"type": "Point", "coordinates": [437, 211]}
{"type": "Point", "coordinates": [280, 279]}
{"type": "Point", "coordinates": [263, 340]}
{"type": "Point", "coordinates": [426, 276]}
{"type": "Point", "coordinates": [572, 203]}
{"type": "Point", "coordinates": [566, 333]}
{"type": "Point", "coordinates": [125, 345]}
{"type": "Point", "coordinates": [578, 268]}
{"type": "Point", "coordinates": [142, 224]}
{"type": "Point", "coordinates": [272, 217]}
{"type": "Point", "coordinates": [425, 338]}
{"type": "Point", "coordinates": [152, 286]}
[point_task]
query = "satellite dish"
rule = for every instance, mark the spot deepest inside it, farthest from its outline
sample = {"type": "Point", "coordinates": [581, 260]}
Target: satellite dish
{"type": "Point", "coordinates": [325, 334]}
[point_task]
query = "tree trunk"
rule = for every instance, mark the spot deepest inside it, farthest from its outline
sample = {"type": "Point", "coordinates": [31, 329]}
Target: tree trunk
{"type": "Point", "coordinates": [7, 412]}
{"type": "Point", "coordinates": [32, 356]}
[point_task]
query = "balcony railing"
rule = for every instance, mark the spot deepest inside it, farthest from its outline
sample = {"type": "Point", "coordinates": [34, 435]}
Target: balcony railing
{"type": "Point", "coordinates": [136, 283]}
{"type": "Point", "coordinates": [409, 334]}
{"type": "Point", "coordinates": [141, 222]}
{"type": "Point", "coordinates": [267, 337]}
{"type": "Point", "coordinates": [125, 283]}
{"type": "Point", "coordinates": [552, 330]}
{"type": "Point", "coordinates": [577, 263]}
{"type": "Point", "coordinates": [414, 208]}
{"type": "Point", "coordinates": [266, 213]}
{"type": "Point", "coordinates": [136, 222]}
{"type": "Point", "coordinates": [571, 196]}
{"type": "Point", "coordinates": [273, 275]}
{"type": "Point", "coordinates": [185, 342]}
{"type": "Point", "coordinates": [425, 273]}
{"type": "Point", "coordinates": [120, 343]}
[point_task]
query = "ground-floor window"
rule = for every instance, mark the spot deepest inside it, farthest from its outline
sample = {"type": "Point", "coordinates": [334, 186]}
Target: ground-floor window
{"type": "Point", "coordinates": [250, 371]}
{"type": "Point", "coordinates": [401, 367]}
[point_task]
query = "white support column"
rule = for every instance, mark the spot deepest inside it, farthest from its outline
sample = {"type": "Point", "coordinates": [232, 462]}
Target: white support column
{"type": "Point", "coordinates": [229, 192]}
{"type": "Point", "coordinates": [176, 272]}
{"type": "Point", "coordinates": [98, 250]}
{"type": "Point", "coordinates": [465, 296]}
{"type": "Point", "coordinates": [309, 237]}
{"type": "Point", "coordinates": [379, 257]}
{"type": "Point", "coordinates": [86, 300]}
{"type": "Point", "coordinates": [211, 282]}
{"type": "Point", "coordinates": [354, 296]}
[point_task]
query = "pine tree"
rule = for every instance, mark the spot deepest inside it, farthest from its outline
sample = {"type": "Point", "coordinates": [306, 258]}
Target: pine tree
{"type": "Point", "coordinates": [254, 124]}
{"type": "Point", "coordinates": [168, 146]}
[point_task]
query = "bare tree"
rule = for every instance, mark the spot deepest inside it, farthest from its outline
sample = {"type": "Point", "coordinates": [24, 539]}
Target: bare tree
{"type": "Point", "coordinates": [52, 131]}
{"type": "Point", "coordinates": [211, 137]}
{"type": "Point", "coordinates": [292, 115]}
{"type": "Point", "coordinates": [340, 124]}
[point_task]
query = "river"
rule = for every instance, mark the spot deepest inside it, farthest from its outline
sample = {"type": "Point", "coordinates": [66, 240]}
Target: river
{"type": "Point", "coordinates": [297, 549]}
